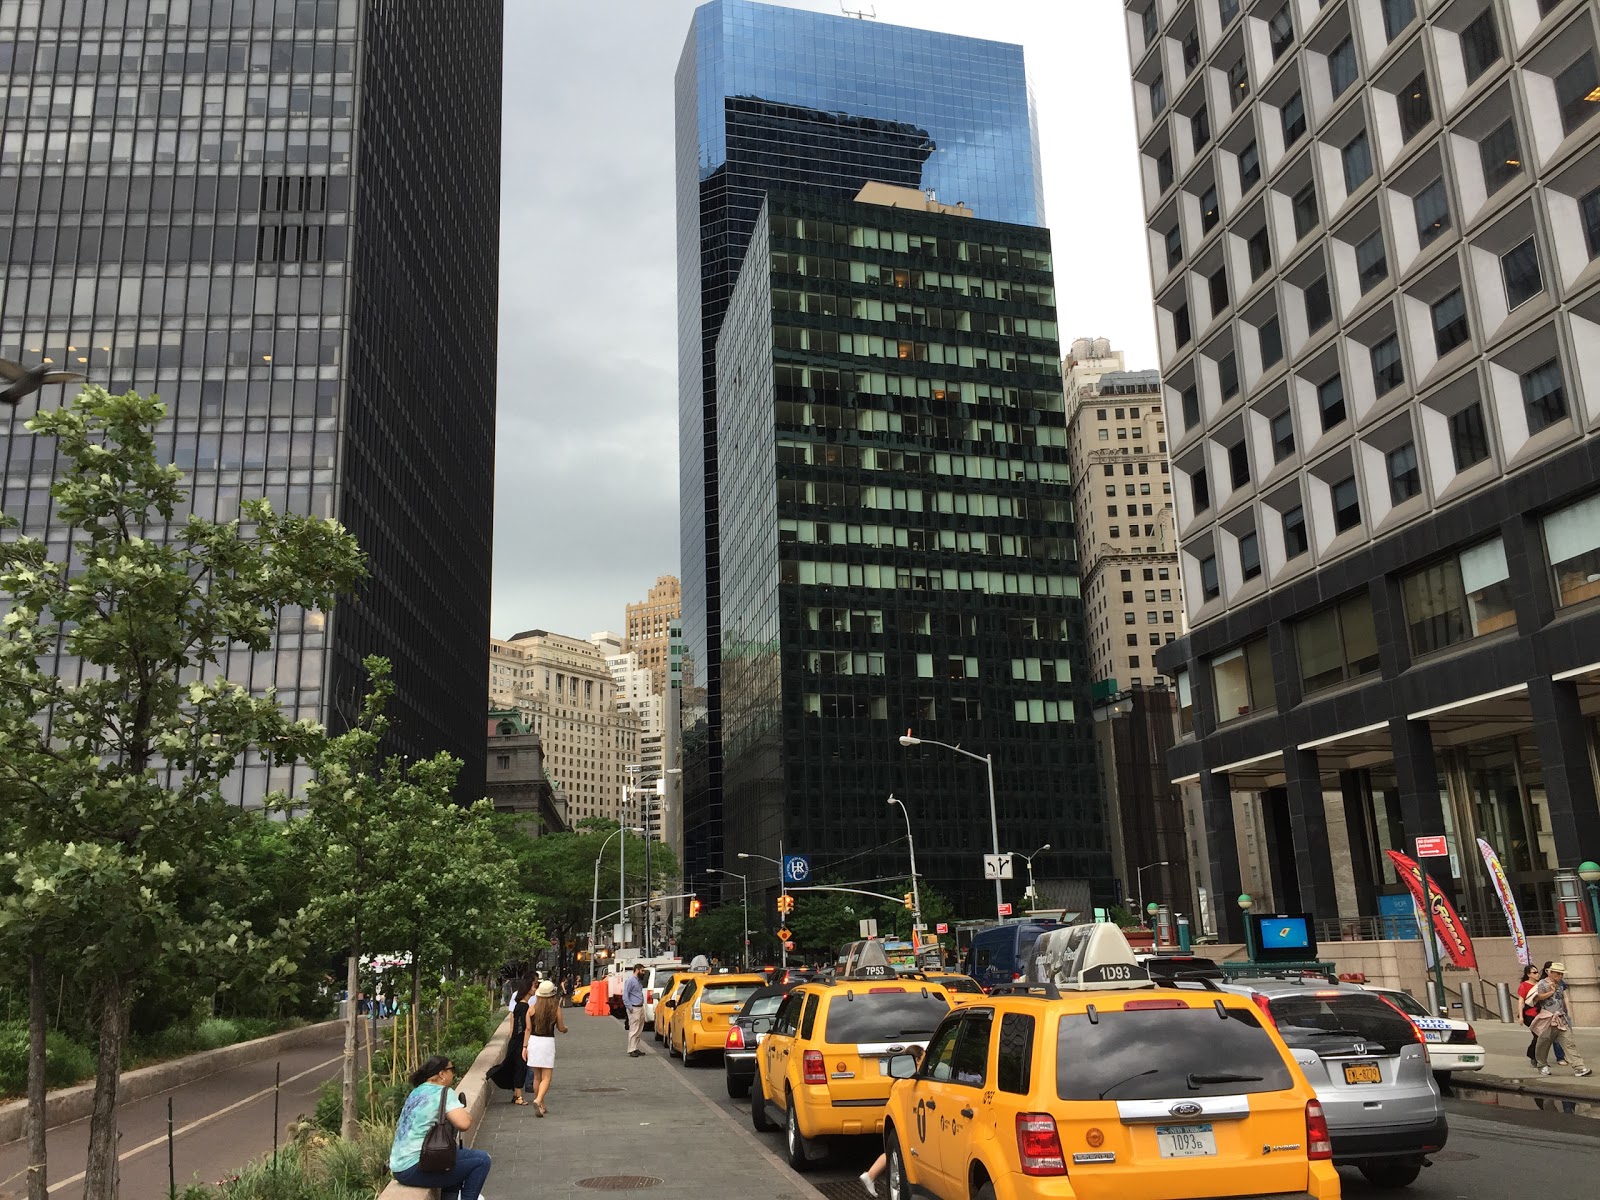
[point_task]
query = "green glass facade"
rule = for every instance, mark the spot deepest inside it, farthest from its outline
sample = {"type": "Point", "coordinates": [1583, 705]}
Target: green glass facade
{"type": "Point", "coordinates": [898, 550]}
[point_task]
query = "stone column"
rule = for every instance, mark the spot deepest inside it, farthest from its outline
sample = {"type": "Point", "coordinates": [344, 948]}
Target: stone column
{"type": "Point", "coordinates": [1421, 810]}
{"type": "Point", "coordinates": [1216, 798]}
{"type": "Point", "coordinates": [1562, 734]}
{"type": "Point", "coordinates": [1308, 820]}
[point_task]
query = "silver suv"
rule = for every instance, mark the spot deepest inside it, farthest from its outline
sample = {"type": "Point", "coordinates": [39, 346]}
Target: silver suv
{"type": "Point", "coordinates": [1369, 1067]}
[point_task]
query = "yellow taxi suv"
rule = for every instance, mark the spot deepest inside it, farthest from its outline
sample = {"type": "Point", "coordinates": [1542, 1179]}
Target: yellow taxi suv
{"type": "Point", "coordinates": [667, 1006]}
{"type": "Point", "coordinates": [1095, 1083]}
{"type": "Point", "coordinates": [700, 1021]}
{"type": "Point", "coordinates": [823, 1068]}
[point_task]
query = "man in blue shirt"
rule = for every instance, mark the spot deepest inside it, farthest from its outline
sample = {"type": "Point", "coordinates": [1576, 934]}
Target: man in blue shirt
{"type": "Point", "coordinates": [633, 1002]}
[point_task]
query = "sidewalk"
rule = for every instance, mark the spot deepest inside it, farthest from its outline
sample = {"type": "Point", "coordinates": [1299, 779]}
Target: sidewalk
{"type": "Point", "coordinates": [611, 1115]}
{"type": "Point", "coordinates": [1506, 1066]}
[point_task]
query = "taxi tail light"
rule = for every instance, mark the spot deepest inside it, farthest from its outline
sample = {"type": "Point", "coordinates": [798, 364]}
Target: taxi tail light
{"type": "Point", "coordinates": [1265, 1005]}
{"type": "Point", "coordinates": [1135, 1005]}
{"type": "Point", "coordinates": [1318, 1142]}
{"type": "Point", "coordinates": [695, 1011]}
{"type": "Point", "coordinates": [735, 1038]}
{"type": "Point", "coordinates": [880, 991]}
{"type": "Point", "coordinates": [1039, 1145]}
{"type": "Point", "coordinates": [816, 1071]}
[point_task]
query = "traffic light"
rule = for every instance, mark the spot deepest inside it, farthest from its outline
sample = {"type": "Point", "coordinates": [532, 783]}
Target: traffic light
{"type": "Point", "coordinates": [911, 904]}
{"type": "Point", "coordinates": [786, 903]}
{"type": "Point", "coordinates": [694, 907]}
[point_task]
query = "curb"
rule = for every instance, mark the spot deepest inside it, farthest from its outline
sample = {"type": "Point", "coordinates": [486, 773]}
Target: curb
{"type": "Point", "coordinates": [65, 1105]}
{"type": "Point", "coordinates": [476, 1084]}
{"type": "Point", "coordinates": [1498, 1083]}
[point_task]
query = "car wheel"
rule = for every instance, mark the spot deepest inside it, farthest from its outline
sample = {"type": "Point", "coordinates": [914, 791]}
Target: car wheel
{"type": "Point", "coordinates": [986, 1192]}
{"type": "Point", "coordinates": [758, 1107]}
{"type": "Point", "coordinates": [1392, 1173]}
{"type": "Point", "coordinates": [672, 1051]}
{"type": "Point", "coordinates": [794, 1144]}
{"type": "Point", "coordinates": [684, 1053]}
{"type": "Point", "coordinates": [895, 1171]}
{"type": "Point", "coordinates": [738, 1087]}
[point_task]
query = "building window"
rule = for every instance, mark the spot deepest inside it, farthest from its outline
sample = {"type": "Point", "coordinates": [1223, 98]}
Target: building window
{"type": "Point", "coordinates": [1330, 402]}
{"type": "Point", "coordinates": [1174, 246]}
{"type": "Point", "coordinates": [1572, 544]}
{"type": "Point", "coordinates": [1238, 82]}
{"type": "Point", "coordinates": [1271, 342]}
{"type": "Point", "coordinates": [1405, 477]}
{"type": "Point", "coordinates": [1200, 129]}
{"type": "Point", "coordinates": [1589, 214]}
{"type": "Point", "coordinates": [1577, 92]}
{"type": "Point", "coordinates": [1432, 209]}
{"type": "Point", "coordinates": [1319, 304]}
{"type": "Point", "coordinates": [1280, 33]}
{"type": "Point", "coordinates": [1519, 267]}
{"type": "Point", "coordinates": [1544, 396]}
{"type": "Point", "coordinates": [1450, 323]}
{"type": "Point", "coordinates": [1147, 22]}
{"type": "Point", "coordinates": [1416, 107]}
{"type": "Point", "coordinates": [1200, 491]}
{"type": "Point", "coordinates": [1191, 406]}
{"type": "Point", "coordinates": [1250, 556]}
{"type": "Point", "coordinates": [1462, 597]}
{"type": "Point", "coordinates": [1346, 504]}
{"type": "Point", "coordinates": [1282, 436]}
{"type": "Point", "coordinates": [1217, 287]}
{"type": "Point", "coordinates": [1185, 703]}
{"type": "Point", "coordinates": [1227, 10]}
{"type": "Point", "coordinates": [1239, 464]}
{"type": "Point", "coordinates": [1500, 156]}
{"type": "Point", "coordinates": [1469, 440]}
{"type": "Point", "coordinates": [1158, 95]}
{"type": "Point", "coordinates": [1342, 66]}
{"type": "Point", "coordinates": [1249, 167]}
{"type": "Point", "coordinates": [1260, 253]}
{"type": "Point", "coordinates": [1295, 539]}
{"type": "Point", "coordinates": [1241, 680]}
{"type": "Point", "coordinates": [1210, 212]}
{"type": "Point", "coordinates": [1357, 159]}
{"type": "Point", "coordinates": [1181, 333]}
{"type": "Point", "coordinates": [1294, 119]}
{"type": "Point", "coordinates": [1191, 51]}
{"type": "Point", "coordinates": [1337, 644]}
{"type": "Point", "coordinates": [502, 762]}
{"type": "Point", "coordinates": [1210, 589]}
{"type": "Point", "coordinates": [1388, 371]}
{"type": "Point", "coordinates": [1228, 375]}
{"type": "Point", "coordinates": [1305, 210]}
{"type": "Point", "coordinates": [1372, 264]}
{"type": "Point", "coordinates": [1480, 45]}
{"type": "Point", "coordinates": [1397, 14]}
{"type": "Point", "coordinates": [1164, 170]}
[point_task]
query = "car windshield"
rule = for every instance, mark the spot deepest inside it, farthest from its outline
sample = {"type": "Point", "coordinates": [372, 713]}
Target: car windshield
{"type": "Point", "coordinates": [762, 1006]}
{"type": "Point", "coordinates": [883, 1016]}
{"type": "Point", "coordinates": [1334, 1023]}
{"type": "Point", "coordinates": [663, 982]}
{"type": "Point", "coordinates": [728, 993]}
{"type": "Point", "coordinates": [1166, 1053]}
{"type": "Point", "coordinates": [1406, 1003]}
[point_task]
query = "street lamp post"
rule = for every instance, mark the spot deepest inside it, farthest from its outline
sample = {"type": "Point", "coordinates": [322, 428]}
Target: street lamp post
{"type": "Point", "coordinates": [594, 911]}
{"type": "Point", "coordinates": [783, 890]}
{"type": "Point", "coordinates": [745, 880]}
{"type": "Point", "coordinates": [645, 803]}
{"type": "Point", "coordinates": [994, 824]}
{"type": "Point", "coordinates": [1246, 904]}
{"type": "Point", "coordinates": [1140, 874]}
{"type": "Point", "coordinates": [1589, 872]}
{"type": "Point", "coordinates": [916, 894]}
{"type": "Point", "coordinates": [1033, 893]}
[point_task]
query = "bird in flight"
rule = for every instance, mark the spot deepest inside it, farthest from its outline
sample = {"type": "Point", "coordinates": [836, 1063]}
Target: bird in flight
{"type": "Point", "coordinates": [27, 380]}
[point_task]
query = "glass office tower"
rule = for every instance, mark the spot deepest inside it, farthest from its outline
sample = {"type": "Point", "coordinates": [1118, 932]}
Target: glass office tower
{"type": "Point", "coordinates": [240, 205]}
{"type": "Point", "coordinates": [775, 97]}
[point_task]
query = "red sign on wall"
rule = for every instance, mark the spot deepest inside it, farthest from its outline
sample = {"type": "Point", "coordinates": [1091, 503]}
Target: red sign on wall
{"type": "Point", "coordinates": [941, 927]}
{"type": "Point", "coordinates": [1005, 909]}
{"type": "Point", "coordinates": [1433, 847]}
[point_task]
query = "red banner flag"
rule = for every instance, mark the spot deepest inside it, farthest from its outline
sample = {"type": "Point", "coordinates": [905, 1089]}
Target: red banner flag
{"type": "Point", "coordinates": [1452, 933]}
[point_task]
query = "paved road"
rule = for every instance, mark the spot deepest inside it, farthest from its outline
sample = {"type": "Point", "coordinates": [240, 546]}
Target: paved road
{"type": "Point", "coordinates": [1506, 1148]}
{"type": "Point", "coordinates": [220, 1123]}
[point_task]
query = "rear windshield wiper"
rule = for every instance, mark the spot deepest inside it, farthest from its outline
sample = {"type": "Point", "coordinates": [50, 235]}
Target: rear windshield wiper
{"type": "Point", "coordinates": [1129, 1079]}
{"type": "Point", "coordinates": [1355, 1033]}
{"type": "Point", "coordinates": [1195, 1080]}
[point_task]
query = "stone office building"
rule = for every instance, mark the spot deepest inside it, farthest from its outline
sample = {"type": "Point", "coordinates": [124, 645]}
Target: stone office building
{"type": "Point", "coordinates": [1373, 231]}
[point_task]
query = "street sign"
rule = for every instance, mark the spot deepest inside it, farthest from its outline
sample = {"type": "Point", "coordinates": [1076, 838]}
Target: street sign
{"type": "Point", "coordinates": [788, 945]}
{"type": "Point", "coordinates": [1433, 847]}
{"type": "Point", "coordinates": [784, 935]}
{"type": "Point", "coordinates": [997, 866]}
{"type": "Point", "coordinates": [869, 927]}
{"type": "Point", "coordinates": [1005, 909]}
{"type": "Point", "coordinates": [796, 868]}
{"type": "Point", "coordinates": [941, 927]}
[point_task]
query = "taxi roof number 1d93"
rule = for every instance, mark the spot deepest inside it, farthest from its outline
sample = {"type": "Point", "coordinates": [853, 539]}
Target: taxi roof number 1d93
{"type": "Point", "coordinates": [1093, 1082]}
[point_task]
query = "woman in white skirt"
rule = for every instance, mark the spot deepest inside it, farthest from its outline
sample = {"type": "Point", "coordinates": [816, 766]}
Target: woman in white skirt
{"type": "Point", "coordinates": [544, 1022]}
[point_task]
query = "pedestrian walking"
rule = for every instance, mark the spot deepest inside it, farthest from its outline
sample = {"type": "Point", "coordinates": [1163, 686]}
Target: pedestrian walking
{"type": "Point", "coordinates": [512, 1072]}
{"type": "Point", "coordinates": [633, 1007]}
{"type": "Point", "coordinates": [544, 1022]}
{"type": "Point", "coordinates": [430, 1096]}
{"type": "Point", "coordinates": [1530, 979]}
{"type": "Point", "coordinates": [1553, 1025]}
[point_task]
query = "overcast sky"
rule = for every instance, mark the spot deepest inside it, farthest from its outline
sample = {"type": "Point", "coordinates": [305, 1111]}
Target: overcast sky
{"type": "Point", "coordinates": [586, 512]}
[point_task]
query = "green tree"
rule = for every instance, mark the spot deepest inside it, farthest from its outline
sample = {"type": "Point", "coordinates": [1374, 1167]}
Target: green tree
{"type": "Point", "coordinates": [825, 922]}
{"type": "Point", "coordinates": [113, 769]}
{"type": "Point", "coordinates": [719, 933]}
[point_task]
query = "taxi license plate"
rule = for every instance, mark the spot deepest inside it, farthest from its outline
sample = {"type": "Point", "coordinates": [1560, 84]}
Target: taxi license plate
{"type": "Point", "coordinates": [1186, 1141]}
{"type": "Point", "coordinates": [1432, 1035]}
{"type": "Point", "coordinates": [1366, 1072]}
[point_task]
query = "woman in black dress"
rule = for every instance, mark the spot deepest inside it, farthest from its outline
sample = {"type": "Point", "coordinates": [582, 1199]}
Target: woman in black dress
{"type": "Point", "coordinates": [512, 1070]}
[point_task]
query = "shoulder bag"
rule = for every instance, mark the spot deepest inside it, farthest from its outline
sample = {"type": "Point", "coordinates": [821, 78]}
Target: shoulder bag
{"type": "Point", "coordinates": [439, 1143]}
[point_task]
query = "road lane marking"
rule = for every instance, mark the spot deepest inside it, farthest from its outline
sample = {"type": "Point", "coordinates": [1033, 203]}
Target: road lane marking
{"type": "Point", "coordinates": [205, 1120]}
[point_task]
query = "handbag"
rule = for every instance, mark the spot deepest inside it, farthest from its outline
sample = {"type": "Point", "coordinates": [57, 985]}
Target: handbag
{"type": "Point", "coordinates": [438, 1155]}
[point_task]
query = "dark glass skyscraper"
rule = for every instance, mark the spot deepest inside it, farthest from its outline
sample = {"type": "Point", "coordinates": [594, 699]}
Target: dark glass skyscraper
{"type": "Point", "coordinates": [775, 97]}
{"type": "Point", "coordinates": [282, 217]}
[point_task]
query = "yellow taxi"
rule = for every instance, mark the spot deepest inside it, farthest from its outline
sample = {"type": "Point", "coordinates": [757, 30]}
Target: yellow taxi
{"type": "Point", "coordinates": [1094, 1083]}
{"type": "Point", "coordinates": [682, 985]}
{"type": "Point", "coordinates": [699, 1020]}
{"type": "Point", "coordinates": [823, 1069]}
{"type": "Point", "coordinates": [962, 989]}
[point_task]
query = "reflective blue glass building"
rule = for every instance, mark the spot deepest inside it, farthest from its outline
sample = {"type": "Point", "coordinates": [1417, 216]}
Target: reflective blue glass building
{"type": "Point", "coordinates": [772, 97]}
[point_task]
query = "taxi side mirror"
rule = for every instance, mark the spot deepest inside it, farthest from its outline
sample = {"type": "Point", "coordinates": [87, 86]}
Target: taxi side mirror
{"type": "Point", "coordinates": [669, 1004]}
{"type": "Point", "coordinates": [902, 1066]}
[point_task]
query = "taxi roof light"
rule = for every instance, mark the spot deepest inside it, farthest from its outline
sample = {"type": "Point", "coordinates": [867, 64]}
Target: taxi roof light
{"type": "Point", "coordinates": [1087, 958]}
